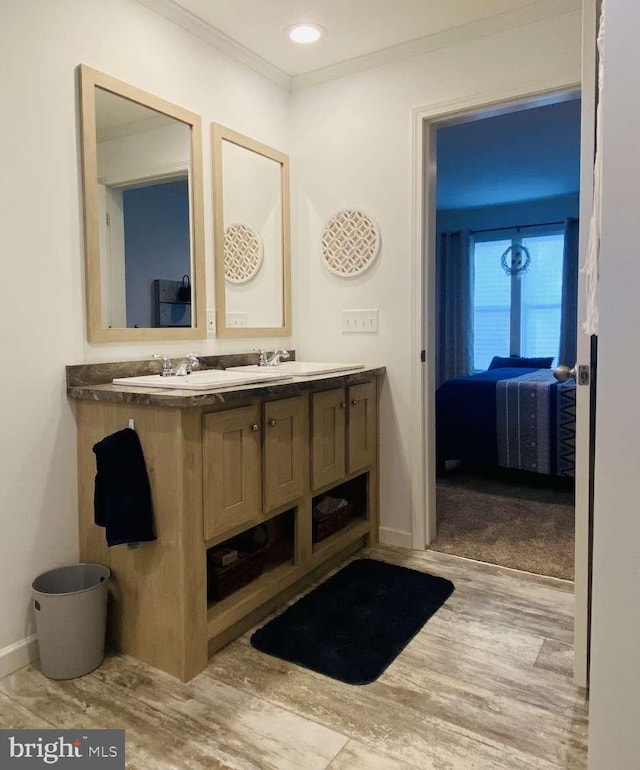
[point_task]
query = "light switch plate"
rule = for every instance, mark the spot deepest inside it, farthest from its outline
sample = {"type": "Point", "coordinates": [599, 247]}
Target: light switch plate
{"type": "Point", "coordinates": [235, 320]}
{"type": "Point", "coordinates": [211, 321]}
{"type": "Point", "coordinates": [360, 321]}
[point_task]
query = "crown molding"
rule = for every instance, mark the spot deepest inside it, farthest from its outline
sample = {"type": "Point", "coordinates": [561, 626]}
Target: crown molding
{"type": "Point", "coordinates": [196, 26]}
{"type": "Point", "coordinates": [529, 14]}
{"type": "Point", "coordinates": [519, 17]}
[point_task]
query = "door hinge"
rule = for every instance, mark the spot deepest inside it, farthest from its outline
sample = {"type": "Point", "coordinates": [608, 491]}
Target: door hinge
{"type": "Point", "coordinates": [107, 219]}
{"type": "Point", "coordinates": [423, 356]}
{"type": "Point", "coordinates": [584, 374]}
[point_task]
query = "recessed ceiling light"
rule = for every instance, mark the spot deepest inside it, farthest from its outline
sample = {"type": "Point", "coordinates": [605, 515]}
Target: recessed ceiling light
{"type": "Point", "coordinates": [305, 33]}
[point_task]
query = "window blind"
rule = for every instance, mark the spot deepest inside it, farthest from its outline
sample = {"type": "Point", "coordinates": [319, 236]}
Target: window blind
{"type": "Point", "coordinates": [534, 297]}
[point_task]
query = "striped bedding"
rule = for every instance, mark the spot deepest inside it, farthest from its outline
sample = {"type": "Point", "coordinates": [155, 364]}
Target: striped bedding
{"type": "Point", "coordinates": [513, 418]}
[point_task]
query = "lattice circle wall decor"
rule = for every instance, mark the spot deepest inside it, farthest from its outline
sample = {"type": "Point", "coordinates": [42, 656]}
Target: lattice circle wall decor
{"type": "Point", "coordinates": [242, 252]}
{"type": "Point", "coordinates": [350, 242]}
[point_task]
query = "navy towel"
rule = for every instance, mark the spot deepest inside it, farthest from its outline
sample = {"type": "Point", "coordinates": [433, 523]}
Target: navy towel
{"type": "Point", "coordinates": [122, 497]}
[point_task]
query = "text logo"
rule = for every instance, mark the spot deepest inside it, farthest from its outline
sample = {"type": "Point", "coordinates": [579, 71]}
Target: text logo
{"type": "Point", "coordinates": [62, 749]}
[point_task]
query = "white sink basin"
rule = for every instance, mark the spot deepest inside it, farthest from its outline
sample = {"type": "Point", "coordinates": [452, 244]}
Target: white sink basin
{"type": "Point", "coordinates": [207, 379]}
{"type": "Point", "coordinates": [298, 368]}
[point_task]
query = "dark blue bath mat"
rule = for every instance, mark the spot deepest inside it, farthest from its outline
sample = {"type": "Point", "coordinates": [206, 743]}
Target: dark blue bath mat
{"type": "Point", "coordinates": [352, 626]}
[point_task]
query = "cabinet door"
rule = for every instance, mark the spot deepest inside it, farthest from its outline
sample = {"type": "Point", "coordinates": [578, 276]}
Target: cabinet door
{"type": "Point", "coordinates": [363, 426]}
{"type": "Point", "coordinates": [231, 469]}
{"type": "Point", "coordinates": [286, 451]}
{"type": "Point", "coordinates": [328, 437]}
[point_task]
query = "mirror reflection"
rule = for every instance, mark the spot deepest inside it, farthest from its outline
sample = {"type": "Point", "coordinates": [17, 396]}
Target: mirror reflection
{"type": "Point", "coordinates": [251, 209]}
{"type": "Point", "coordinates": [143, 167]}
{"type": "Point", "coordinates": [143, 214]}
{"type": "Point", "coordinates": [253, 258]}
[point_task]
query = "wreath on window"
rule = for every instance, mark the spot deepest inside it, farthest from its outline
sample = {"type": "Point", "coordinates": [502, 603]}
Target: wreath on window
{"type": "Point", "coordinates": [515, 259]}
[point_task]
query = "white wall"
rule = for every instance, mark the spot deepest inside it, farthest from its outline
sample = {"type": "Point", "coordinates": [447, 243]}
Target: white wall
{"type": "Point", "coordinates": [614, 737]}
{"type": "Point", "coordinates": [352, 146]}
{"type": "Point", "coordinates": [43, 325]}
{"type": "Point", "coordinates": [145, 155]}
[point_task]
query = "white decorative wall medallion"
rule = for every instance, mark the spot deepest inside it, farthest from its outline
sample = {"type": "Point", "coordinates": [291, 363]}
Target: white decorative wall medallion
{"type": "Point", "coordinates": [242, 252]}
{"type": "Point", "coordinates": [350, 242]}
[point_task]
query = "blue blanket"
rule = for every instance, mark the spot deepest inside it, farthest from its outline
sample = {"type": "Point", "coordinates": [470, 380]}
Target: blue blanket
{"type": "Point", "coordinates": [513, 418]}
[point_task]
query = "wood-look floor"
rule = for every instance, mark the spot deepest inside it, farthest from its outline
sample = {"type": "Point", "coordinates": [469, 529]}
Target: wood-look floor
{"type": "Point", "coordinates": [485, 684]}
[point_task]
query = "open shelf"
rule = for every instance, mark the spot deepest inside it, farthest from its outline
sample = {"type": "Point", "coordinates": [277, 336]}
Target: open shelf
{"type": "Point", "coordinates": [265, 555]}
{"type": "Point", "coordinates": [263, 519]}
{"type": "Point", "coordinates": [223, 614]}
{"type": "Point", "coordinates": [344, 537]}
{"type": "Point", "coordinates": [356, 493]}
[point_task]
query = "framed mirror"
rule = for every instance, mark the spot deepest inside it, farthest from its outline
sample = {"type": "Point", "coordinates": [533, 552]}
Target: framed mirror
{"type": "Point", "coordinates": [251, 237]}
{"type": "Point", "coordinates": [143, 214]}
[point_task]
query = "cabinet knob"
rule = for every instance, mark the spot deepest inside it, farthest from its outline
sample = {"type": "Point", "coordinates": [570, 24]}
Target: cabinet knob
{"type": "Point", "coordinates": [272, 423]}
{"type": "Point", "coordinates": [343, 405]}
{"type": "Point", "coordinates": [255, 427]}
{"type": "Point", "coordinates": [354, 402]}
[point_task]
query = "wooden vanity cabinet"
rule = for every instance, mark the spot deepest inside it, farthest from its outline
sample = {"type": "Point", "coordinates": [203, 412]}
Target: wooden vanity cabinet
{"type": "Point", "coordinates": [254, 460]}
{"type": "Point", "coordinates": [344, 432]}
{"type": "Point", "coordinates": [231, 468]}
{"type": "Point", "coordinates": [286, 451]}
{"type": "Point", "coordinates": [216, 470]}
{"type": "Point", "coordinates": [328, 421]}
{"type": "Point", "coordinates": [362, 426]}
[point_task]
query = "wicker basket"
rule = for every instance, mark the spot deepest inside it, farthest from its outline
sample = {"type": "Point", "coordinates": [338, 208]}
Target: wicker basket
{"type": "Point", "coordinates": [326, 525]}
{"type": "Point", "coordinates": [222, 581]}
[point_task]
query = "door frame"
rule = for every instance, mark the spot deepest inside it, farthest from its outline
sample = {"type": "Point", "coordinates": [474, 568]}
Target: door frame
{"type": "Point", "coordinates": [423, 470]}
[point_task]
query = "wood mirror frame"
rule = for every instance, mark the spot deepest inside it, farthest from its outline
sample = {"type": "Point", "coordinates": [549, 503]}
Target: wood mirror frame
{"type": "Point", "coordinates": [97, 331]}
{"type": "Point", "coordinates": [218, 135]}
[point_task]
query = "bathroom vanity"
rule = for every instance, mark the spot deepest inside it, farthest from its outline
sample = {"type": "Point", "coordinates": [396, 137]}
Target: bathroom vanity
{"type": "Point", "coordinates": [257, 489]}
{"type": "Point", "coordinates": [221, 462]}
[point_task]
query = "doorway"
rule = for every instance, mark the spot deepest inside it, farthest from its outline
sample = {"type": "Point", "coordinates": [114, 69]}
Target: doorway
{"type": "Point", "coordinates": [145, 234]}
{"type": "Point", "coordinates": [506, 272]}
{"type": "Point", "coordinates": [423, 335]}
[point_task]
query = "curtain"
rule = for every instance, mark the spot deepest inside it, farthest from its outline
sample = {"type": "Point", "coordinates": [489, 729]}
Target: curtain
{"type": "Point", "coordinates": [568, 317]}
{"type": "Point", "coordinates": [454, 306]}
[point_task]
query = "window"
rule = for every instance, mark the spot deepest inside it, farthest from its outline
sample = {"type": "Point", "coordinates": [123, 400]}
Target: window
{"type": "Point", "coordinates": [517, 314]}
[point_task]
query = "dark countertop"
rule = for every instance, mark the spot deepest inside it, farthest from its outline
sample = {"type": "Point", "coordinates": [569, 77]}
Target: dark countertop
{"type": "Point", "coordinates": [181, 399]}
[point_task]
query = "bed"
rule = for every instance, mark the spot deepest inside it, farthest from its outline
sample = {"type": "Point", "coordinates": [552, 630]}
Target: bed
{"type": "Point", "coordinates": [518, 418]}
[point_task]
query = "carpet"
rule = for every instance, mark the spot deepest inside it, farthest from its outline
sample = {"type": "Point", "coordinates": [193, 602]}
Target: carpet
{"type": "Point", "coordinates": [517, 520]}
{"type": "Point", "coordinates": [352, 626]}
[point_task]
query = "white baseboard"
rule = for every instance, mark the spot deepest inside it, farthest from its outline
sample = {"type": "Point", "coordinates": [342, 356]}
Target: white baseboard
{"type": "Point", "coordinates": [18, 655]}
{"type": "Point", "coordinates": [396, 537]}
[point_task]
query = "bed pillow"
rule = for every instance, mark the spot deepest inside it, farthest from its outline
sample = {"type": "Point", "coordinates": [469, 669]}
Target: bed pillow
{"type": "Point", "coordinates": [498, 362]}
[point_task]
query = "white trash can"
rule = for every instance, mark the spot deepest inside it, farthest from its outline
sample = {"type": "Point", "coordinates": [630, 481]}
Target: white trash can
{"type": "Point", "coordinates": [70, 605]}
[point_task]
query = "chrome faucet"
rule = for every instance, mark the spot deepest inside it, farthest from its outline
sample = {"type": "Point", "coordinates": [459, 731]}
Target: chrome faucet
{"type": "Point", "coordinates": [280, 354]}
{"type": "Point", "coordinates": [186, 366]}
{"type": "Point", "coordinates": [167, 366]}
{"type": "Point", "coordinates": [262, 361]}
